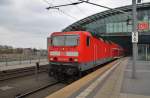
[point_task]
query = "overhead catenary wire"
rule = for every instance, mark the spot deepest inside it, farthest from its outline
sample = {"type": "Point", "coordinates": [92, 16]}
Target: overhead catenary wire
{"type": "Point", "coordinates": [83, 1]}
{"type": "Point", "coordinates": [78, 8]}
{"type": "Point", "coordinates": [74, 3]}
{"type": "Point", "coordinates": [117, 10]}
{"type": "Point", "coordinates": [50, 4]}
{"type": "Point", "coordinates": [87, 1]}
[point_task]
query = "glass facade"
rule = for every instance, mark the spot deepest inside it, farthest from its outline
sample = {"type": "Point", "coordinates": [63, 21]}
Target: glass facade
{"type": "Point", "coordinates": [117, 23]}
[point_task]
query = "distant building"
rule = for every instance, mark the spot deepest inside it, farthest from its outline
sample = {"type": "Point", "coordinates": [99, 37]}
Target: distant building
{"type": "Point", "coordinates": [43, 52]}
{"type": "Point", "coordinates": [27, 51]}
{"type": "Point", "coordinates": [4, 49]}
{"type": "Point", "coordinates": [18, 50]}
{"type": "Point", "coordinates": [1, 46]}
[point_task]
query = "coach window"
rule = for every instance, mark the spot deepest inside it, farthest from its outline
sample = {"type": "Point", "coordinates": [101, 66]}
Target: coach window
{"type": "Point", "coordinates": [88, 41]}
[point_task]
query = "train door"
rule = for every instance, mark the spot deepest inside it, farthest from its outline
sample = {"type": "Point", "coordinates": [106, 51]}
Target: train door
{"type": "Point", "coordinates": [111, 53]}
{"type": "Point", "coordinates": [95, 53]}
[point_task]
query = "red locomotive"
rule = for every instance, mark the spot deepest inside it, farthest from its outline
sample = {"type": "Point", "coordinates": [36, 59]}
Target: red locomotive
{"type": "Point", "coordinates": [73, 52]}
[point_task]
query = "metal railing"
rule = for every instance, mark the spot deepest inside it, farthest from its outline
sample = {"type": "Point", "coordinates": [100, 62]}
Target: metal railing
{"type": "Point", "coordinates": [21, 59]}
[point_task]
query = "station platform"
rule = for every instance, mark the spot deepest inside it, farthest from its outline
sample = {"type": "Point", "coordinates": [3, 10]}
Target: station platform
{"type": "Point", "coordinates": [114, 83]}
{"type": "Point", "coordinates": [16, 65]}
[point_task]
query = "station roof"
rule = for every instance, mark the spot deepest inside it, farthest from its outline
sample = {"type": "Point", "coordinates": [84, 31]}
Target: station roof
{"type": "Point", "coordinates": [103, 14]}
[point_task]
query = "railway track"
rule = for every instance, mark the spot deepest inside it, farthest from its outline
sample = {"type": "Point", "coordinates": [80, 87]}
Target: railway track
{"type": "Point", "coordinates": [9, 74]}
{"type": "Point", "coordinates": [39, 92]}
{"type": "Point", "coordinates": [36, 90]}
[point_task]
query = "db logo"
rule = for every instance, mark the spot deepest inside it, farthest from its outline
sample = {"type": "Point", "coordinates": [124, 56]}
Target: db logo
{"type": "Point", "coordinates": [143, 26]}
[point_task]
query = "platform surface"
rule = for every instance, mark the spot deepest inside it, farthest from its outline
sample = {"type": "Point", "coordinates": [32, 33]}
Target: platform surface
{"type": "Point", "coordinates": [119, 84]}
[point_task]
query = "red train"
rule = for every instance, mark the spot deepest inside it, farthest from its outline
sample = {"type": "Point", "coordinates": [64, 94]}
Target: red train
{"type": "Point", "coordinates": [70, 53]}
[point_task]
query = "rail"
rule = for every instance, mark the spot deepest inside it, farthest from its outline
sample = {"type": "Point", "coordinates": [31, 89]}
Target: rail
{"type": "Point", "coordinates": [35, 90]}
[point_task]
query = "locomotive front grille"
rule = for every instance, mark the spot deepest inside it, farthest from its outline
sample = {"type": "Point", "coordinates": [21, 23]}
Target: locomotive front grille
{"type": "Point", "coordinates": [62, 63]}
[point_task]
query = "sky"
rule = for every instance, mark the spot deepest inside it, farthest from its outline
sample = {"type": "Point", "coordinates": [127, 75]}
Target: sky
{"type": "Point", "coordinates": [27, 23]}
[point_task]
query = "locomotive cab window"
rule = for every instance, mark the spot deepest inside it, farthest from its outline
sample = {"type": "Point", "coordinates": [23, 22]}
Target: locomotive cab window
{"type": "Point", "coordinates": [88, 41]}
{"type": "Point", "coordinates": [65, 40]}
{"type": "Point", "coordinates": [49, 41]}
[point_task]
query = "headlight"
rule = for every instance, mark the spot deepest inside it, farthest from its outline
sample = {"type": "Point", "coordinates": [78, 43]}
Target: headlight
{"type": "Point", "coordinates": [72, 54]}
{"type": "Point", "coordinates": [76, 60]}
{"type": "Point", "coordinates": [55, 53]}
{"type": "Point", "coordinates": [51, 59]}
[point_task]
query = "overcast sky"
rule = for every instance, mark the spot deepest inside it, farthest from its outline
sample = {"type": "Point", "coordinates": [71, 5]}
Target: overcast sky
{"type": "Point", "coordinates": [26, 23]}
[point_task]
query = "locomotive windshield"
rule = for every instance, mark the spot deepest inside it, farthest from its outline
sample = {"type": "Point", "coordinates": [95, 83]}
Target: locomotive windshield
{"type": "Point", "coordinates": [65, 40]}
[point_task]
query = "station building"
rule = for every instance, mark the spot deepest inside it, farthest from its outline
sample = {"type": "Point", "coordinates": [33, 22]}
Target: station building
{"type": "Point", "coordinates": [117, 27]}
